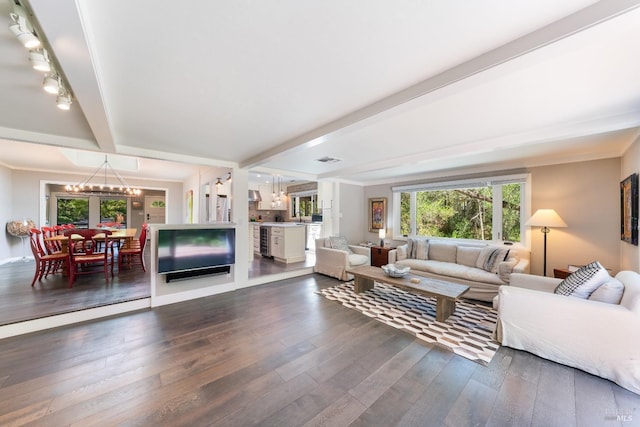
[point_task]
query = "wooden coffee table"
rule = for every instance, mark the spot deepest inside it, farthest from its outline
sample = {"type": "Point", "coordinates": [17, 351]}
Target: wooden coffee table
{"type": "Point", "coordinates": [445, 293]}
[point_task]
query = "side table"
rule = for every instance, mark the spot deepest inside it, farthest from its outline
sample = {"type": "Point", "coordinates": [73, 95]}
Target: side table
{"type": "Point", "coordinates": [379, 256]}
{"type": "Point", "coordinates": [561, 273]}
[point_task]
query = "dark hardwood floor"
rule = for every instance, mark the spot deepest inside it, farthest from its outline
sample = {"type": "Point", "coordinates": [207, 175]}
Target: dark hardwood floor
{"type": "Point", "coordinates": [281, 355]}
{"type": "Point", "coordinates": [19, 301]}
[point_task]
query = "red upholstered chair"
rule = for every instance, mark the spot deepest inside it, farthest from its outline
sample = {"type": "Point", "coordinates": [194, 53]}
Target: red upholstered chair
{"type": "Point", "coordinates": [85, 256]}
{"type": "Point", "coordinates": [134, 253]}
{"type": "Point", "coordinates": [45, 263]}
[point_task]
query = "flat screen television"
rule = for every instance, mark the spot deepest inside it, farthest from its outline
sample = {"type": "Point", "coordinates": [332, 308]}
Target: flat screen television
{"type": "Point", "coordinates": [195, 249]}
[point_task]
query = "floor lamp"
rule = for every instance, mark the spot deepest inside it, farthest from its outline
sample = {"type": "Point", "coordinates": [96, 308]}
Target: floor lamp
{"type": "Point", "coordinates": [545, 218]}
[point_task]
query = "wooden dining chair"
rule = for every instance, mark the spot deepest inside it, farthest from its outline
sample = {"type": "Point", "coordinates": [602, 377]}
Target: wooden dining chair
{"type": "Point", "coordinates": [52, 246]}
{"type": "Point", "coordinates": [45, 263]}
{"type": "Point", "coordinates": [134, 254]}
{"type": "Point", "coordinates": [84, 254]}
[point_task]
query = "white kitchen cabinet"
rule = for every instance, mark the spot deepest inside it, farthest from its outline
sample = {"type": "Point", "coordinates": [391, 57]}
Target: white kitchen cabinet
{"type": "Point", "coordinates": [287, 243]}
{"type": "Point", "coordinates": [256, 238]}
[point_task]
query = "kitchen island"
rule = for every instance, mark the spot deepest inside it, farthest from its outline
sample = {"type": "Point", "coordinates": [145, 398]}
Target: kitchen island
{"type": "Point", "coordinates": [283, 241]}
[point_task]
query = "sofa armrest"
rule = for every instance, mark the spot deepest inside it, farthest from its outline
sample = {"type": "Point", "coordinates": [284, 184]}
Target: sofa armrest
{"type": "Point", "coordinates": [332, 256]}
{"type": "Point", "coordinates": [522, 266]}
{"type": "Point", "coordinates": [531, 281]}
{"type": "Point", "coordinates": [392, 256]}
{"type": "Point", "coordinates": [361, 250]}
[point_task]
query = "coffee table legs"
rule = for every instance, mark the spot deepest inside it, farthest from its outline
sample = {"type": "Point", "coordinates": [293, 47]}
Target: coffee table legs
{"type": "Point", "coordinates": [444, 308]}
{"type": "Point", "coordinates": [362, 284]}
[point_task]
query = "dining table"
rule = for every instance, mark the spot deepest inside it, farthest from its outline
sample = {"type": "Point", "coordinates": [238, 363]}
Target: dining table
{"type": "Point", "coordinates": [126, 235]}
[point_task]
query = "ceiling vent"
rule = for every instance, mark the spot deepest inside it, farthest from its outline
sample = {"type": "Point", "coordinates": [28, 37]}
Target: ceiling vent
{"type": "Point", "coordinates": [327, 159]}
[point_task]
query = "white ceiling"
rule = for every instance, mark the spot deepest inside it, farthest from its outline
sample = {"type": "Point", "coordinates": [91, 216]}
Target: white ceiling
{"type": "Point", "coordinates": [394, 90]}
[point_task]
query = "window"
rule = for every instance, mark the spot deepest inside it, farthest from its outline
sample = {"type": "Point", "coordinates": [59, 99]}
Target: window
{"type": "Point", "coordinates": [113, 210]}
{"type": "Point", "coordinates": [304, 204]}
{"type": "Point", "coordinates": [73, 210]}
{"type": "Point", "coordinates": [477, 210]}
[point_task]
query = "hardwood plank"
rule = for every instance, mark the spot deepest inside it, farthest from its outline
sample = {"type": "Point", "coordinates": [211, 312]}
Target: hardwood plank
{"type": "Point", "coordinates": [473, 407]}
{"type": "Point", "coordinates": [555, 399]}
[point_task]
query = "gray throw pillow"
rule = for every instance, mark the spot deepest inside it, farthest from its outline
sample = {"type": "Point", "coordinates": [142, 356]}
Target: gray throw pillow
{"type": "Point", "coordinates": [340, 243]}
{"type": "Point", "coordinates": [490, 257]}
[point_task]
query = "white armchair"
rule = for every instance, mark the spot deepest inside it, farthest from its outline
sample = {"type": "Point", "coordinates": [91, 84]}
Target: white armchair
{"type": "Point", "coordinates": [600, 338]}
{"type": "Point", "coordinates": [334, 262]}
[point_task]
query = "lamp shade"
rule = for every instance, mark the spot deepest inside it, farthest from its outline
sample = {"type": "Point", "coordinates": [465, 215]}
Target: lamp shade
{"type": "Point", "coordinates": [546, 218]}
{"type": "Point", "coordinates": [382, 233]}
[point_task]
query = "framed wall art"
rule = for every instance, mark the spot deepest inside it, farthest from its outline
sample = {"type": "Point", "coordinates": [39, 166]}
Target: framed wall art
{"type": "Point", "coordinates": [377, 213]}
{"type": "Point", "coordinates": [629, 209]}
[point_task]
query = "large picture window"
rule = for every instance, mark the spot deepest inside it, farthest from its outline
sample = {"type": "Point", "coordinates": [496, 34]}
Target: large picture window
{"type": "Point", "coordinates": [490, 209]}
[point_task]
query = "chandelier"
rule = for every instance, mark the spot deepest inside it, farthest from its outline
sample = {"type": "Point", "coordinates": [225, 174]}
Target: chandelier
{"type": "Point", "coordinates": [108, 187]}
{"type": "Point", "coordinates": [277, 197]}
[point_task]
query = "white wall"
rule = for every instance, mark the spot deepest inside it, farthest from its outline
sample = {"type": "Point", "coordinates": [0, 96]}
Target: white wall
{"type": "Point", "coordinates": [6, 214]}
{"type": "Point", "coordinates": [629, 254]}
{"type": "Point", "coordinates": [352, 213]}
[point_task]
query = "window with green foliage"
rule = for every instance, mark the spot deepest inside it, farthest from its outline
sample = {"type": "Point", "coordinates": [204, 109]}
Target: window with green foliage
{"type": "Point", "coordinates": [488, 210]}
{"type": "Point", "coordinates": [73, 210]}
{"type": "Point", "coordinates": [113, 210]}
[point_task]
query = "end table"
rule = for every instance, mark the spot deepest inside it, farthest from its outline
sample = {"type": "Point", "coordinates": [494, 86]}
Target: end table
{"type": "Point", "coordinates": [379, 256]}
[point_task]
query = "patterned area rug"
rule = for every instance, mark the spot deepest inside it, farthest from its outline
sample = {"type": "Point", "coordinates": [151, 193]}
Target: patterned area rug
{"type": "Point", "coordinates": [467, 332]}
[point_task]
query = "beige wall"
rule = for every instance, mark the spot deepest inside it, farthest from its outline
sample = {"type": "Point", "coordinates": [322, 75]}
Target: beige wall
{"type": "Point", "coordinates": [587, 196]}
{"type": "Point", "coordinates": [629, 254]}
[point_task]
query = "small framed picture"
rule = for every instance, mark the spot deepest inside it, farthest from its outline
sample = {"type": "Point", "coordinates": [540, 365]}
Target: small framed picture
{"type": "Point", "coordinates": [377, 213]}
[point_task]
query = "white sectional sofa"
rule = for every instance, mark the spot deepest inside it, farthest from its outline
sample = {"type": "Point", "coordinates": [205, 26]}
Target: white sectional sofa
{"type": "Point", "coordinates": [483, 267]}
{"type": "Point", "coordinates": [602, 338]}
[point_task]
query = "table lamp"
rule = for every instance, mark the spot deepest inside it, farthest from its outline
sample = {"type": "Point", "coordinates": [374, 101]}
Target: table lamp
{"type": "Point", "coordinates": [382, 234]}
{"type": "Point", "coordinates": [545, 218]}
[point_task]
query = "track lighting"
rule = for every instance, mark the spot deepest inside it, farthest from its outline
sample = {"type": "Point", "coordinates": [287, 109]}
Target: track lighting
{"type": "Point", "coordinates": [229, 177]}
{"type": "Point", "coordinates": [218, 183]}
{"type": "Point", "coordinates": [64, 100]}
{"type": "Point", "coordinates": [21, 28]}
{"type": "Point", "coordinates": [51, 83]}
{"type": "Point", "coordinates": [40, 60]}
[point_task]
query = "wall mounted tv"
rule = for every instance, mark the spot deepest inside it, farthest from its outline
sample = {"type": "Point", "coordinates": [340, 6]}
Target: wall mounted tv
{"type": "Point", "coordinates": [195, 249]}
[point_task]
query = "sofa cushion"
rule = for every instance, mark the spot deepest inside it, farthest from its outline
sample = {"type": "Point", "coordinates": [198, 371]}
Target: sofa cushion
{"type": "Point", "coordinates": [340, 243]}
{"type": "Point", "coordinates": [610, 292]}
{"type": "Point", "coordinates": [401, 252]}
{"type": "Point", "coordinates": [442, 252]}
{"type": "Point", "coordinates": [357, 259]}
{"type": "Point", "coordinates": [490, 257]}
{"type": "Point", "coordinates": [467, 255]}
{"type": "Point", "coordinates": [584, 281]}
{"type": "Point", "coordinates": [450, 269]}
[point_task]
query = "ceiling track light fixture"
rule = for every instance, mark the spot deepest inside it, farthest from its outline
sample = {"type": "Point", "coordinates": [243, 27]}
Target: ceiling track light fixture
{"type": "Point", "coordinates": [63, 101]}
{"type": "Point", "coordinates": [51, 83]}
{"type": "Point", "coordinates": [218, 183]}
{"type": "Point", "coordinates": [40, 60]}
{"type": "Point", "coordinates": [39, 56]}
{"type": "Point", "coordinates": [22, 28]}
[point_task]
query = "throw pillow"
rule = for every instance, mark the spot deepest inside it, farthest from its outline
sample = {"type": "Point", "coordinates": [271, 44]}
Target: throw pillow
{"type": "Point", "coordinates": [401, 252]}
{"type": "Point", "coordinates": [490, 257]}
{"type": "Point", "coordinates": [584, 281]}
{"type": "Point", "coordinates": [339, 243]}
{"type": "Point", "coordinates": [610, 292]}
{"type": "Point", "coordinates": [422, 249]}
